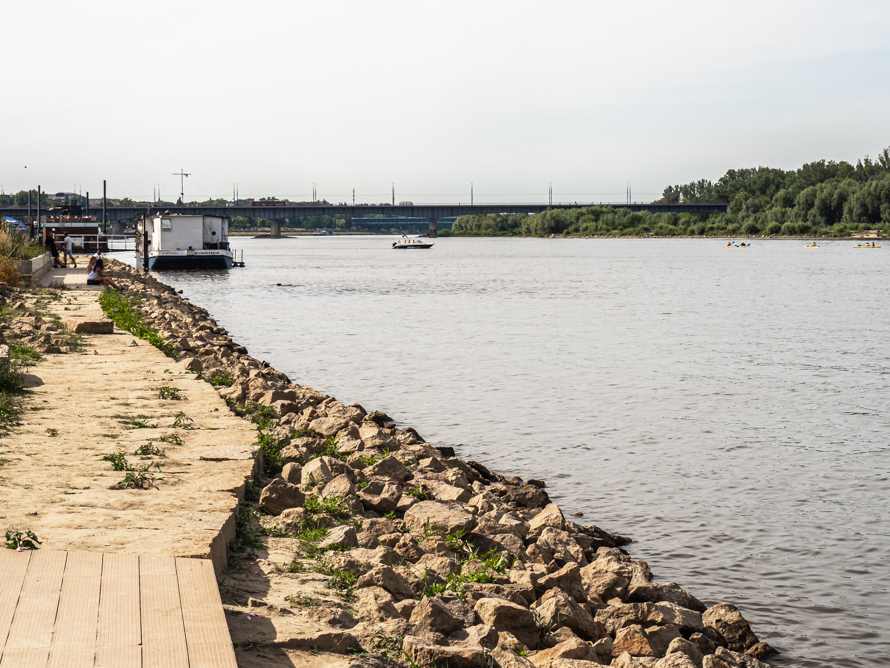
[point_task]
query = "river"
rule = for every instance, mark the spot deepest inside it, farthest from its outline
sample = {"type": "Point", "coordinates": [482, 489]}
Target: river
{"type": "Point", "coordinates": [724, 407]}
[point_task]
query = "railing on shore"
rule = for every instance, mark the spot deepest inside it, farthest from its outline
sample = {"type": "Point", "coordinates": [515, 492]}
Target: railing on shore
{"type": "Point", "coordinates": [107, 243]}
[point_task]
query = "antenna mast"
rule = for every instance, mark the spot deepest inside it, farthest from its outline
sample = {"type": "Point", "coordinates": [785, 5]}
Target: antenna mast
{"type": "Point", "coordinates": [181, 174]}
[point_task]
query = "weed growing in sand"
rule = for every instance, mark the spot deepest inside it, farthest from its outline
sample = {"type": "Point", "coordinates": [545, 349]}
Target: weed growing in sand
{"type": "Point", "coordinates": [170, 393]}
{"type": "Point", "coordinates": [331, 449]}
{"type": "Point", "coordinates": [302, 601]}
{"type": "Point", "coordinates": [418, 493]}
{"type": "Point", "coordinates": [139, 422]}
{"type": "Point", "coordinates": [133, 344]}
{"type": "Point", "coordinates": [332, 505]}
{"type": "Point", "coordinates": [389, 646]}
{"type": "Point", "coordinates": [22, 540]}
{"type": "Point", "coordinates": [140, 478]}
{"type": "Point", "coordinates": [183, 421]}
{"type": "Point", "coordinates": [246, 537]}
{"type": "Point", "coordinates": [340, 580]}
{"type": "Point", "coordinates": [124, 314]}
{"type": "Point", "coordinates": [110, 435]}
{"type": "Point", "coordinates": [221, 379]}
{"type": "Point", "coordinates": [172, 439]}
{"type": "Point", "coordinates": [150, 450]}
{"type": "Point", "coordinates": [118, 461]}
{"type": "Point", "coordinates": [135, 477]}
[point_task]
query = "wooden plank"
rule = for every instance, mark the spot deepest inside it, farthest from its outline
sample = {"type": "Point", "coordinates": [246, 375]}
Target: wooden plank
{"type": "Point", "coordinates": [163, 633]}
{"type": "Point", "coordinates": [74, 639]}
{"type": "Point", "coordinates": [120, 622]}
{"type": "Point", "coordinates": [206, 631]}
{"type": "Point", "coordinates": [24, 657]}
{"type": "Point", "coordinates": [119, 657]}
{"type": "Point", "coordinates": [77, 656]}
{"type": "Point", "coordinates": [13, 566]}
{"type": "Point", "coordinates": [35, 615]}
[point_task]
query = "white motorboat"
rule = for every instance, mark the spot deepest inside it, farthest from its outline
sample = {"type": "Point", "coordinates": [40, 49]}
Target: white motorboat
{"type": "Point", "coordinates": [407, 242]}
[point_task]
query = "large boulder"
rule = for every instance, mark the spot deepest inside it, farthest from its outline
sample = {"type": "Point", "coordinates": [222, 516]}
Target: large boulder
{"type": "Point", "coordinates": [430, 615]}
{"type": "Point", "coordinates": [526, 496]}
{"type": "Point", "coordinates": [339, 486]}
{"type": "Point", "coordinates": [444, 516]}
{"type": "Point", "coordinates": [361, 560]}
{"type": "Point", "coordinates": [504, 657]}
{"type": "Point", "coordinates": [423, 653]}
{"type": "Point", "coordinates": [725, 658]}
{"type": "Point", "coordinates": [375, 604]}
{"type": "Point", "coordinates": [559, 609]}
{"type": "Point", "coordinates": [637, 641]}
{"type": "Point", "coordinates": [676, 661]}
{"type": "Point", "coordinates": [728, 621]}
{"type": "Point", "coordinates": [390, 468]}
{"type": "Point", "coordinates": [380, 497]}
{"type": "Point", "coordinates": [316, 473]}
{"type": "Point", "coordinates": [603, 584]}
{"type": "Point", "coordinates": [329, 426]}
{"type": "Point", "coordinates": [387, 579]}
{"type": "Point", "coordinates": [616, 617]}
{"type": "Point", "coordinates": [509, 617]}
{"type": "Point", "coordinates": [687, 648]}
{"type": "Point", "coordinates": [569, 649]}
{"type": "Point", "coordinates": [669, 592]}
{"type": "Point", "coordinates": [566, 579]}
{"type": "Point", "coordinates": [550, 516]}
{"type": "Point", "coordinates": [279, 495]}
{"type": "Point", "coordinates": [561, 545]}
{"type": "Point", "coordinates": [339, 537]}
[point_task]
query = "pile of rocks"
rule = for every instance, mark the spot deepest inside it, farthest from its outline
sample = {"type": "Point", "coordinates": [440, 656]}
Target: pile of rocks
{"type": "Point", "coordinates": [470, 568]}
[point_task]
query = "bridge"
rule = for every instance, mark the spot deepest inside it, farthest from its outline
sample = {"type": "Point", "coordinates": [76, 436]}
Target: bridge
{"type": "Point", "coordinates": [429, 212]}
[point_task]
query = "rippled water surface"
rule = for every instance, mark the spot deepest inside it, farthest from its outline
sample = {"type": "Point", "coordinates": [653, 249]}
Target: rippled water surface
{"type": "Point", "coordinates": [726, 408]}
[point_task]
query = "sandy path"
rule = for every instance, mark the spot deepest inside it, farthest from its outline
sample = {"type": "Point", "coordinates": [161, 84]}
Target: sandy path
{"type": "Point", "coordinates": [54, 482]}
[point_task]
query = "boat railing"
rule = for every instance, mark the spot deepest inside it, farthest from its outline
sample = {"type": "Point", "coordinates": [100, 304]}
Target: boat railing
{"type": "Point", "coordinates": [107, 243]}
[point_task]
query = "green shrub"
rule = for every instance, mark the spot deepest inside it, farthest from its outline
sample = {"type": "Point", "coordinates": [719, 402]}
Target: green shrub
{"type": "Point", "coordinates": [124, 314]}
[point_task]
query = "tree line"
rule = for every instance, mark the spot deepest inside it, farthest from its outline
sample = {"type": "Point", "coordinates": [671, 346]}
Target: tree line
{"type": "Point", "coordinates": [824, 198]}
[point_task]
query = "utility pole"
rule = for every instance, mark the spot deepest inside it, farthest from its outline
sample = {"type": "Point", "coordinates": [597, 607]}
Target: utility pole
{"type": "Point", "coordinates": [181, 174]}
{"type": "Point", "coordinates": [353, 197]}
{"type": "Point", "coordinates": [87, 215]}
{"type": "Point", "coordinates": [393, 194]}
{"type": "Point", "coordinates": [104, 207]}
{"type": "Point", "coordinates": [471, 193]}
{"type": "Point", "coordinates": [38, 212]}
{"type": "Point", "coordinates": [30, 218]}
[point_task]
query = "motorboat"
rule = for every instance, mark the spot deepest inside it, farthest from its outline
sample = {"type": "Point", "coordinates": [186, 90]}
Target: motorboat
{"type": "Point", "coordinates": [410, 243]}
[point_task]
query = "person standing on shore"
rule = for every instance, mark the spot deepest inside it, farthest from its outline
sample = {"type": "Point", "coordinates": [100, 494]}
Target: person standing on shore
{"type": "Point", "coordinates": [53, 250]}
{"type": "Point", "coordinates": [68, 250]}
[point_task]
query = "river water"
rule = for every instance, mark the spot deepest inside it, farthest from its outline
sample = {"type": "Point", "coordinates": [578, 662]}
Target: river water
{"type": "Point", "coordinates": [725, 407]}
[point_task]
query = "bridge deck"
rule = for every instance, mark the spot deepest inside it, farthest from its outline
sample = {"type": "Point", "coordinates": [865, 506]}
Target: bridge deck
{"type": "Point", "coordinates": [92, 610]}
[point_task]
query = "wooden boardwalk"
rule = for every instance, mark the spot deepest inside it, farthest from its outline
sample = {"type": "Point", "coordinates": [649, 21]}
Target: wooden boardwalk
{"type": "Point", "coordinates": [97, 610]}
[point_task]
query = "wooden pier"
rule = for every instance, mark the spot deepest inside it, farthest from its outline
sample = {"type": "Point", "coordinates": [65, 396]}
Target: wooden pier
{"type": "Point", "coordinates": [100, 610]}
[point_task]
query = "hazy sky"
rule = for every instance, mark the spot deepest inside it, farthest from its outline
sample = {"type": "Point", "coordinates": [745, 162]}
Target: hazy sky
{"type": "Point", "coordinates": [276, 96]}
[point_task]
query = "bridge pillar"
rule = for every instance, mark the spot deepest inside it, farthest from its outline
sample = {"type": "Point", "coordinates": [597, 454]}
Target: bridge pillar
{"type": "Point", "coordinates": [275, 232]}
{"type": "Point", "coordinates": [434, 229]}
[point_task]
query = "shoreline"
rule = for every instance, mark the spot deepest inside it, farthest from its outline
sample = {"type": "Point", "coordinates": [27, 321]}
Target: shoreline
{"type": "Point", "coordinates": [359, 534]}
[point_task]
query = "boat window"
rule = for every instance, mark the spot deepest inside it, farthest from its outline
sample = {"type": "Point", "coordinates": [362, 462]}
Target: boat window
{"type": "Point", "coordinates": [166, 224]}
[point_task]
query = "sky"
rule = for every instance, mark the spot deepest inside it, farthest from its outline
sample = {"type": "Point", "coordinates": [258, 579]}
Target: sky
{"type": "Point", "coordinates": [432, 98]}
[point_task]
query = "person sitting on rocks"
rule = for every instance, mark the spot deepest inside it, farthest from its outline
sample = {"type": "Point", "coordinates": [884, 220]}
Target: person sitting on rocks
{"type": "Point", "coordinates": [98, 275]}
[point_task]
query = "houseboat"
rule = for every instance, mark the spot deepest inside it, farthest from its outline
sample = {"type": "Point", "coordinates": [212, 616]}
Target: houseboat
{"type": "Point", "coordinates": [183, 241]}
